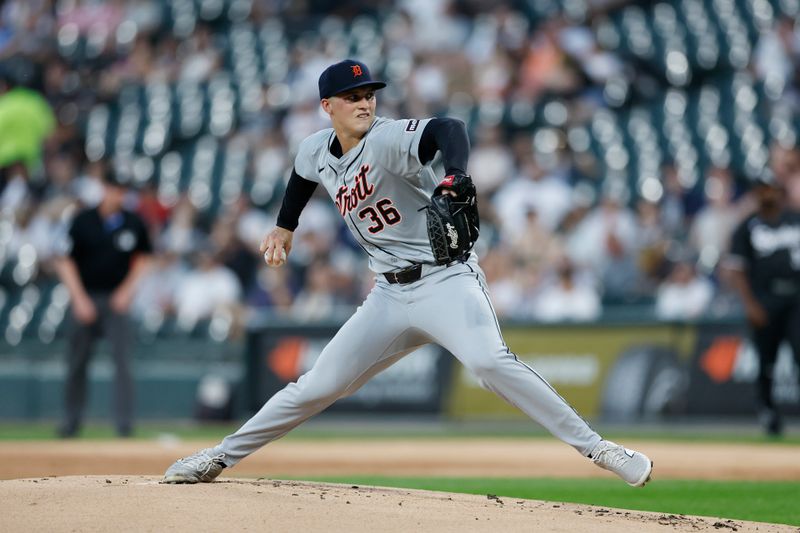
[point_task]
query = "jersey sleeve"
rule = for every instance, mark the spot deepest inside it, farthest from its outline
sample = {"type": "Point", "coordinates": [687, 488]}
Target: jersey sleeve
{"type": "Point", "coordinates": [741, 251]}
{"type": "Point", "coordinates": [298, 193]}
{"type": "Point", "coordinates": [399, 145]}
{"type": "Point", "coordinates": [305, 162]}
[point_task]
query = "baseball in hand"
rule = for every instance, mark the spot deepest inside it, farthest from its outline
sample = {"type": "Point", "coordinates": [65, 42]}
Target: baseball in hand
{"type": "Point", "coordinates": [278, 263]}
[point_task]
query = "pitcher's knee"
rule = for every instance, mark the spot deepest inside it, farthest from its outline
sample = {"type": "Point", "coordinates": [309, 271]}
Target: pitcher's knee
{"type": "Point", "coordinates": [309, 395]}
{"type": "Point", "coordinates": [486, 367]}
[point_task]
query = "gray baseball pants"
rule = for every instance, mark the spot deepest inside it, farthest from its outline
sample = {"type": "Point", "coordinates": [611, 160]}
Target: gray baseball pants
{"type": "Point", "coordinates": [448, 306]}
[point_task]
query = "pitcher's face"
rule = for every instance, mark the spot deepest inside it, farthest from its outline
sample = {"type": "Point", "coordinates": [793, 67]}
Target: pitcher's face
{"type": "Point", "coordinates": [352, 111]}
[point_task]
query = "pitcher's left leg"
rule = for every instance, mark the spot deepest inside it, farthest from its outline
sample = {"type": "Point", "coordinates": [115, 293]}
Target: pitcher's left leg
{"type": "Point", "coordinates": [468, 328]}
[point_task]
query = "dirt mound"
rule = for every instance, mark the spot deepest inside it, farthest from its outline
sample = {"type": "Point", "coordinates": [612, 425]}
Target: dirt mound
{"type": "Point", "coordinates": [140, 503]}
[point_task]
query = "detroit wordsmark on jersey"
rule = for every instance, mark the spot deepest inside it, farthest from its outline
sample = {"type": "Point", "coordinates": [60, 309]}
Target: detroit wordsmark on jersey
{"type": "Point", "coordinates": [377, 186]}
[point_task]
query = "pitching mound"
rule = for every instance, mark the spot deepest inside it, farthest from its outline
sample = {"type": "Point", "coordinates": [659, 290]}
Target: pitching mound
{"type": "Point", "coordinates": [140, 503]}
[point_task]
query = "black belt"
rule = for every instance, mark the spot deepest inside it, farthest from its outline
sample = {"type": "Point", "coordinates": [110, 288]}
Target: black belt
{"type": "Point", "coordinates": [407, 275]}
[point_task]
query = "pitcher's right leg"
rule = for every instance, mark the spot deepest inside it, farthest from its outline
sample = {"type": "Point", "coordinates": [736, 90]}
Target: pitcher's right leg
{"type": "Point", "coordinates": [359, 349]}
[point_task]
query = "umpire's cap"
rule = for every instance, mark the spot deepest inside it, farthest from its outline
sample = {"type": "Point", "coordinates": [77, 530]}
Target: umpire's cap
{"type": "Point", "coordinates": [345, 75]}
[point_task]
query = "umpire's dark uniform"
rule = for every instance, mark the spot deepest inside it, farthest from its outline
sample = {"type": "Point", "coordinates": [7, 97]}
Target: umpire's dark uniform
{"type": "Point", "coordinates": [103, 251]}
{"type": "Point", "coordinates": [768, 253]}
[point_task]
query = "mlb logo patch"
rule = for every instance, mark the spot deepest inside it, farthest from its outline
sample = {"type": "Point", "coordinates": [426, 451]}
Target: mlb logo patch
{"type": "Point", "coordinates": [412, 125]}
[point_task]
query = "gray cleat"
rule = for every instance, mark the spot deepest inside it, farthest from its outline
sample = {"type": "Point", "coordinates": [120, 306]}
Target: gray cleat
{"type": "Point", "coordinates": [631, 466]}
{"type": "Point", "coordinates": [200, 467]}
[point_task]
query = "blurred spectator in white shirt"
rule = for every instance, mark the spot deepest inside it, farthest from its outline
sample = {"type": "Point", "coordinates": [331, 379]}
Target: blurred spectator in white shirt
{"type": "Point", "coordinates": [201, 59]}
{"type": "Point", "coordinates": [684, 294]}
{"type": "Point", "coordinates": [608, 226]}
{"type": "Point", "coordinates": [776, 54]}
{"type": "Point", "coordinates": [536, 246]}
{"type": "Point", "coordinates": [490, 162]}
{"type": "Point", "coordinates": [317, 299]}
{"type": "Point", "coordinates": [504, 286]}
{"type": "Point", "coordinates": [205, 289]}
{"type": "Point", "coordinates": [48, 221]}
{"type": "Point", "coordinates": [428, 83]}
{"type": "Point", "coordinates": [714, 224]}
{"type": "Point", "coordinates": [15, 197]}
{"type": "Point", "coordinates": [303, 119]}
{"type": "Point", "coordinates": [434, 26]}
{"type": "Point", "coordinates": [532, 189]}
{"type": "Point", "coordinates": [156, 292]}
{"type": "Point", "coordinates": [317, 235]}
{"type": "Point", "coordinates": [568, 297]}
{"type": "Point", "coordinates": [180, 235]}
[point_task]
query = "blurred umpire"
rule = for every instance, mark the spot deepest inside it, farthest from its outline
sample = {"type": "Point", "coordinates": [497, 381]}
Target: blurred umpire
{"type": "Point", "coordinates": [765, 261]}
{"type": "Point", "coordinates": [109, 251]}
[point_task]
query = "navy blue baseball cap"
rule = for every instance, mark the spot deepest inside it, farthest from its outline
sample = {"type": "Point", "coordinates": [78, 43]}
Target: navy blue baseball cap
{"type": "Point", "coordinates": [345, 75]}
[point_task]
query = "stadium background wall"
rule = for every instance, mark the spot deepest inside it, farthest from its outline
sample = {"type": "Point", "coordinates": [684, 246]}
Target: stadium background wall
{"type": "Point", "coordinates": [610, 370]}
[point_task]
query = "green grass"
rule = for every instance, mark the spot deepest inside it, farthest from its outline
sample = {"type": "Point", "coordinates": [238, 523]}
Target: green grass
{"type": "Point", "coordinates": [47, 431]}
{"type": "Point", "coordinates": [774, 501]}
{"type": "Point", "coordinates": [370, 431]}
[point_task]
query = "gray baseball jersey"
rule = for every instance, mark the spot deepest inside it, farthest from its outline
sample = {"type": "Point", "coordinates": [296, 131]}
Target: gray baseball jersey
{"type": "Point", "coordinates": [379, 186]}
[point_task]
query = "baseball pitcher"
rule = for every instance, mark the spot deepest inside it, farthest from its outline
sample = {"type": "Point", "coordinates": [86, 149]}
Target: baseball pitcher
{"type": "Point", "coordinates": [418, 231]}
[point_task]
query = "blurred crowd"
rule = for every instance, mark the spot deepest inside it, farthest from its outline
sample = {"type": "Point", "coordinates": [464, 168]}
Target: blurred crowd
{"type": "Point", "coordinates": [560, 241]}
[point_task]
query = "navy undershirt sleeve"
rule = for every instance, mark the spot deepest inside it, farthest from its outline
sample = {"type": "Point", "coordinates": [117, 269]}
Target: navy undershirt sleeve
{"type": "Point", "coordinates": [298, 193]}
{"type": "Point", "coordinates": [449, 136]}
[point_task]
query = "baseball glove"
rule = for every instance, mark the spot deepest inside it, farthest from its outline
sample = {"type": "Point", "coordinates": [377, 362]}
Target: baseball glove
{"type": "Point", "coordinates": [453, 223]}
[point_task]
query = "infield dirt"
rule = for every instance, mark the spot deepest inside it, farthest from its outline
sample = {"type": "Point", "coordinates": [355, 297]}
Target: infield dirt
{"type": "Point", "coordinates": [473, 457]}
{"type": "Point", "coordinates": [113, 486]}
